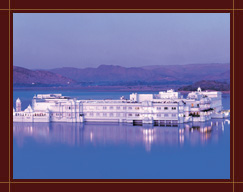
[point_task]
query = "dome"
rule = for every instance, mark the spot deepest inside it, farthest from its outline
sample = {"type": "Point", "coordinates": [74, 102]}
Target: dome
{"type": "Point", "coordinates": [18, 101]}
{"type": "Point", "coordinates": [28, 109]}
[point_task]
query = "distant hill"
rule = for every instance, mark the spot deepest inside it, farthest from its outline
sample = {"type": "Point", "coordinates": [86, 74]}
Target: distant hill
{"type": "Point", "coordinates": [207, 85]}
{"type": "Point", "coordinates": [26, 77]}
{"type": "Point", "coordinates": [111, 75]}
{"type": "Point", "coordinates": [194, 72]}
{"type": "Point", "coordinates": [161, 73]}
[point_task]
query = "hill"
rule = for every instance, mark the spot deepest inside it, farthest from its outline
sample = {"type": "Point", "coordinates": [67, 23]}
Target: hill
{"type": "Point", "coordinates": [207, 85]}
{"type": "Point", "coordinates": [26, 77]}
{"type": "Point", "coordinates": [112, 75]}
{"type": "Point", "coordinates": [164, 73]}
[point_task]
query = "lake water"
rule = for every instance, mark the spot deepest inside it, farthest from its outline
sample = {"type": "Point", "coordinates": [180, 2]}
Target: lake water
{"type": "Point", "coordinates": [119, 151]}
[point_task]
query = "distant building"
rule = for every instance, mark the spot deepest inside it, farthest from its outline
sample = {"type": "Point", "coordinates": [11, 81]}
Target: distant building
{"type": "Point", "coordinates": [165, 108]}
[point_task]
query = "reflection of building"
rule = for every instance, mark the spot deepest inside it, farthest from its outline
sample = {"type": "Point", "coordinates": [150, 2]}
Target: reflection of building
{"type": "Point", "coordinates": [116, 134]}
{"type": "Point", "coordinates": [165, 109]}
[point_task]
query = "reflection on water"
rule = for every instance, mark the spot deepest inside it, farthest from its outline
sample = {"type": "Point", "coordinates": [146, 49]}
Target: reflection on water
{"type": "Point", "coordinates": [75, 134]}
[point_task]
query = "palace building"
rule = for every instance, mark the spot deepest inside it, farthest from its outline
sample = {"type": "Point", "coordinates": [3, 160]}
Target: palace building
{"type": "Point", "coordinates": [165, 109]}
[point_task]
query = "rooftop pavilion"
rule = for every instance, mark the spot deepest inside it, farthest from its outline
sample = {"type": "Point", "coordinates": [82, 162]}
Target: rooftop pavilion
{"type": "Point", "coordinates": [50, 96]}
{"type": "Point", "coordinates": [169, 94]}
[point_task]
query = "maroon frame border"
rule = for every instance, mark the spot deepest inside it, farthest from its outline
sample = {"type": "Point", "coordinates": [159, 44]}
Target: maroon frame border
{"type": "Point", "coordinates": [8, 7]}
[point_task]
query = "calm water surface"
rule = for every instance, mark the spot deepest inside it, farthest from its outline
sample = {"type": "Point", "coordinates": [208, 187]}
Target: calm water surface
{"type": "Point", "coordinates": [119, 151]}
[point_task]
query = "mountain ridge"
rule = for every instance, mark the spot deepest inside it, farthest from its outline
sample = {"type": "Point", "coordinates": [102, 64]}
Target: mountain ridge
{"type": "Point", "coordinates": [190, 73]}
{"type": "Point", "coordinates": [23, 76]}
{"type": "Point", "coordinates": [119, 75]}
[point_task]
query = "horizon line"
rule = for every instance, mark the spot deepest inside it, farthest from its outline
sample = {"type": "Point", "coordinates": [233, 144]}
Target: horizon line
{"type": "Point", "coordinates": [223, 63]}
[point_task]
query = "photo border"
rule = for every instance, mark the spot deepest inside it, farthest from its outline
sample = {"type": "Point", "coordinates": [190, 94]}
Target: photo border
{"type": "Point", "coordinates": [15, 183]}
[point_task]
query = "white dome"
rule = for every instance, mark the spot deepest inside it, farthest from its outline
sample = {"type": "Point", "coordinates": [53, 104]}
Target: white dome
{"type": "Point", "coordinates": [28, 109]}
{"type": "Point", "coordinates": [18, 101]}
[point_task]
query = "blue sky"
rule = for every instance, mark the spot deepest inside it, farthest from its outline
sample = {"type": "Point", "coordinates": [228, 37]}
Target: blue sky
{"type": "Point", "coordinates": [50, 40]}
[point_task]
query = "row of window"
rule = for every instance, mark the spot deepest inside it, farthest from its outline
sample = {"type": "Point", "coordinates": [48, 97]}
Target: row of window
{"type": "Point", "coordinates": [124, 108]}
{"type": "Point", "coordinates": [113, 107]}
{"type": "Point", "coordinates": [166, 108]}
{"type": "Point", "coordinates": [28, 114]}
{"type": "Point", "coordinates": [166, 115]}
{"type": "Point", "coordinates": [61, 114]}
{"type": "Point", "coordinates": [97, 114]}
{"type": "Point", "coordinates": [123, 115]}
{"type": "Point", "coordinates": [105, 114]}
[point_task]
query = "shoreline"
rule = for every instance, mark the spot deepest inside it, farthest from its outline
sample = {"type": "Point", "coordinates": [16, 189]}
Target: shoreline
{"type": "Point", "coordinates": [109, 88]}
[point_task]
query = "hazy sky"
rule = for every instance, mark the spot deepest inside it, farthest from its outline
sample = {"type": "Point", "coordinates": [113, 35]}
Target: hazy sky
{"type": "Point", "coordinates": [50, 40]}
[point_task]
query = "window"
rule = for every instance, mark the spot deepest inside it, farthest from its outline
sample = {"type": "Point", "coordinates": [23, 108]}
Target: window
{"type": "Point", "coordinates": [111, 114]}
{"type": "Point", "coordinates": [158, 108]}
{"type": "Point", "coordinates": [158, 115]}
{"type": "Point", "coordinates": [104, 107]}
{"type": "Point", "coordinates": [137, 108]}
{"type": "Point", "coordinates": [111, 107]}
{"type": "Point", "coordinates": [173, 108]}
{"type": "Point", "coordinates": [137, 115]}
{"type": "Point", "coordinates": [129, 114]}
{"type": "Point", "coordinates": [124, 108]}
{"type": "Point", "coordinates": [117, 107]}
{"type": "Point", "coordinates": [97, 114]}
{"type": "Point", "coordinates": [129, 107]}
{"type": "Point", "coordinates": [104, 114]}
{"type": "Point", "coordinates": [166, 115]}
{"type": "Point", "coordinates": [118, 114]}
{"type": "Point", "coordinates": [165, 108]}
{"type": "Point", "coordinates": [173, 115]}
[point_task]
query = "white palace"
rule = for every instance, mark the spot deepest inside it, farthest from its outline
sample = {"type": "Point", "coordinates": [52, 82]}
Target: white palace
{"type": "Point", "coordinates": [165, 109]}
